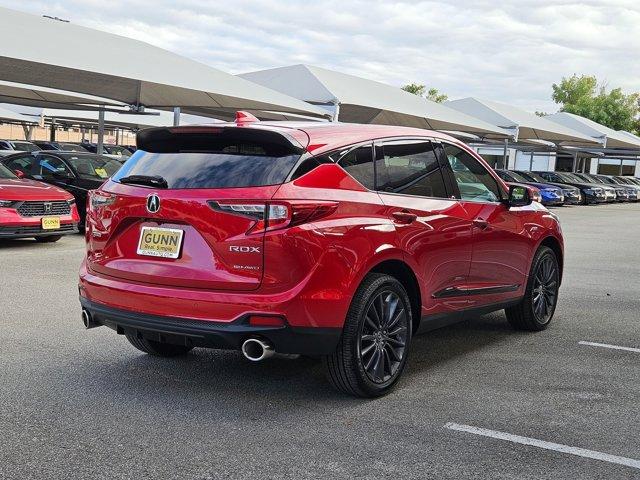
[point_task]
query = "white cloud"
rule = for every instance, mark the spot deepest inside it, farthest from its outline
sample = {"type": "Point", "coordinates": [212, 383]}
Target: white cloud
{"type": "Point", "coordinates": [509, 51]}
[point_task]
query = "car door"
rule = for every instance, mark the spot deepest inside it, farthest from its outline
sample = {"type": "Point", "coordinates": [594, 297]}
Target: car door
{"type": "Point", "coordinates": [501, 247]}
{"type": "Point", "coordinates": [432, 227]}
{"type": "Point", "coordinates": [53, 170]}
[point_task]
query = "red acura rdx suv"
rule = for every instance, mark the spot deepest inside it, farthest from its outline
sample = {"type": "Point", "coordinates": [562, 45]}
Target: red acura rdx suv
{"type": "Point", "coordinates": [34, 209]}
{"type": "Point", "coordinates": [325, 239]}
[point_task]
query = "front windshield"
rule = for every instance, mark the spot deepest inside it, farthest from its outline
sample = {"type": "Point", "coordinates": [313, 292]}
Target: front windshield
{"type": "Point", "coordinates": [93, 166]}
{"type": "Point", "coordinates": [72, 147]}
{"type": "Point", "coordinates": [5, 172]}
{"type": "Point", "coordinates": [634, 180]}
{"type": "Point", "coordinates": [608, 180]}
{"type": "Point", "coordinates": [533, 177]}
{"type": "Point", "coordinates": [570, 177]}
{"type": "Point", "coordinates": [581, 177]}
{"type": "Point", "coordinates": [518, 178]}
{"type": "Point", "coordinates": [26, 147]}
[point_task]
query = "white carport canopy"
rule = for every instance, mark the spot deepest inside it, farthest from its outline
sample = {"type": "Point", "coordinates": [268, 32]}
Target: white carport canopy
{"type": "Point", "coordinates": [122, 120]}
{"type": "Point", "coordinates": [30, 95]}
{"type": "Point", "coordinates": [524, 125]}
{"type": "Point", "coordinates": [629, 135]}
{"type": "Point", "coordinates": [53, 54]}
{"type": "Point", "coordinates": [9, 116]}
{"type": "Point", "coordinates": [610, 138]}
{"type": "Point", "coordinates": [359, 100]}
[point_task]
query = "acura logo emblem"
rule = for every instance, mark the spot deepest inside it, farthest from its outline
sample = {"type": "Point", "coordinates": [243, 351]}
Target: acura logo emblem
{"type": "Point", "coordinates": [153, 203]}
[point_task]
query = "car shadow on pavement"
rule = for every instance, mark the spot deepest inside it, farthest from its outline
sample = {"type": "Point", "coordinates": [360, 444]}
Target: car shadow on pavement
{"type": "Point", "coordinates": [6, 244]}
{"type": "Point", "coordinates": [207, 379]}
{"type": "Point", "coordinates": [455, 341]}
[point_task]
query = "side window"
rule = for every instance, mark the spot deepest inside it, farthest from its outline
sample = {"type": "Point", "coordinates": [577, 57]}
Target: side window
{"type": "Point", "coordinates": [23, 163]}
{"type": "Point", "coordinates": [410, 168]}
{"type": "Point", "coordinates": [474, 182]}
{"type": "Point", "coordinates": [47, 166]}
{"type": "Point", "coordinates": [359, 164]}
{"type": "Point", "coordinates": [307, 165]}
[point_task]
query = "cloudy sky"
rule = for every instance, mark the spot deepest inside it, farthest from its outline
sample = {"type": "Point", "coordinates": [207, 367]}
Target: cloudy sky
{"type": "Point", "coordinates": [510, 51]}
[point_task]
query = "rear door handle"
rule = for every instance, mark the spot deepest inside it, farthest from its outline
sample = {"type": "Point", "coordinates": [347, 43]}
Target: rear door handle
{"type": "Point", "coordinates": [404, 217]}
{"type": "Point", "coordinates": [481, 223]}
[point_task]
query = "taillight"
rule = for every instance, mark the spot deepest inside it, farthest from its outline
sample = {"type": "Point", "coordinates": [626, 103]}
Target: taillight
{"type": "Point", "coordinates": [98, 199]}
{"type": "Point", "coordinates": [276, 215]}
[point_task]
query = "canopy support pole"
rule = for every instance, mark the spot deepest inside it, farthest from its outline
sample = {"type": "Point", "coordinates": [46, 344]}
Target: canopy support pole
{"type": "Point", "coordinates": [575, 161]}
{"type": "Point", "coordinates": [176, 116]}
{"type": "Point", "coordinates": [531, 161]}
{"type": "Point", "coordinates": [506, 152]}
{"type": "Point", "coordinates": [99, 148]}
{"type": "Point", "coordinates": [336, 112]}
{"type": "Point", "coordinates": [28, 131]}
{"type": "Point", "coordinates": [620, 171]}
{"type": "Point", "coordinates": [52, 131]}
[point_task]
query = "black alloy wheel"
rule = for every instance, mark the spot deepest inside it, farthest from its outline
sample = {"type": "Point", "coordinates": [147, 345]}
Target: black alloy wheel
{"type": "Point", "coordinates": [545, 289]}
{"type": "Point", "coordinates": [376, 338]}
{"type": "Point", "coordinates": [535, 311]}
{"type": "Point", "coordinates": [383, 337]}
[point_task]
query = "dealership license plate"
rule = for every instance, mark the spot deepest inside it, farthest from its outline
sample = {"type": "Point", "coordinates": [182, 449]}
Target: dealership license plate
{"type": "Point", "coordinates": [50, 223]}
{"type": "Point", "coordinates": [160, 242]}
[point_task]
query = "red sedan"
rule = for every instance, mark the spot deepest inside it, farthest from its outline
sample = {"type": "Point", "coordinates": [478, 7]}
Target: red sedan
{"type": "Point", "coordinates": [333, 240]}
{"type": "Point", "coordinates": [34, 209]}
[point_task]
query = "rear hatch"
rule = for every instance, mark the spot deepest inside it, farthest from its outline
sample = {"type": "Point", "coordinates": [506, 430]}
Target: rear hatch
{"type": "Point", "coordinates": [190, 207]}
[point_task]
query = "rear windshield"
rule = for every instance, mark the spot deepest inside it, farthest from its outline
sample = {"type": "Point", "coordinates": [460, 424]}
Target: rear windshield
{"type": "Point", "coordinates": [234, 166]}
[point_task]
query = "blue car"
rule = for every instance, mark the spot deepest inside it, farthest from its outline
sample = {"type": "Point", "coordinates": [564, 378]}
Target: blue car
{"type": "Point", "coordinates": [551, 195]}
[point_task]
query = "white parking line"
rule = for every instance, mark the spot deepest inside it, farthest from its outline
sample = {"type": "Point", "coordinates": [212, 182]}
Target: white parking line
{"type": "Point", "coordinates": [613, 347]}
{"type": "Point", "coordinates": [558, 447]}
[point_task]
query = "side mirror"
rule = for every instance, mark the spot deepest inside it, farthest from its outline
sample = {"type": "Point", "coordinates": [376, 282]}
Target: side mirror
{"type": "Point", "coordinates": [19, 173]}
{"type": "Point", "coordinates": [519, 196]}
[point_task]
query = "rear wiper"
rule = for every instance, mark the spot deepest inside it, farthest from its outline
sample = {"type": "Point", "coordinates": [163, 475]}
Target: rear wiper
{"type": "Point", "coordinates": [149, 180]}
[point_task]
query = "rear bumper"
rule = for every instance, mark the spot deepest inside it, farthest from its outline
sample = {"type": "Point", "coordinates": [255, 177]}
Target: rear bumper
{"type": "Point", "coordinates": [211, 334]}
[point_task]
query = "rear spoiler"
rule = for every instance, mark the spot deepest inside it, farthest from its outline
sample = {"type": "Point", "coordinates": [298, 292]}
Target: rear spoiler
{"type": "Point", "coordinates": [214, 138]}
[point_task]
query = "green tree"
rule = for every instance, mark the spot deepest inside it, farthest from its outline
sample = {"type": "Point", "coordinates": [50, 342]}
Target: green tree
{"type": "Point", "coordinates": [421, 90]}
{"type": "Point", "coordinates": [435, 96]}
{"type": "Point", "coordinates": [415, 88]}
{"type": "Point", "coordinates": [584, 96]}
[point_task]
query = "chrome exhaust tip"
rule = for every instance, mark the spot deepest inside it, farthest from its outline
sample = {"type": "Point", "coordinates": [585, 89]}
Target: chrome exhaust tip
{"type": "Point", "coordinates": [87, 320]}
{"type": "Point", "coordinates": [256, 350]}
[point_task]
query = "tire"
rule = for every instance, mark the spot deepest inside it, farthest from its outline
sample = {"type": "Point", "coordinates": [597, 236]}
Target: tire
{"type": "Point", "coordinates": [354, 368]}
{"type": "Point", "coordinates": [157, 349]}
{"type": "Point", "coordinates": [48, 239]}
{"type": "Point", "coordinates": [535, 311]}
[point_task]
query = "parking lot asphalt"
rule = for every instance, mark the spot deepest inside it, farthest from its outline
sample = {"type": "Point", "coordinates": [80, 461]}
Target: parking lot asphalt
{"type": "Point", "coordinates": [85, 404]}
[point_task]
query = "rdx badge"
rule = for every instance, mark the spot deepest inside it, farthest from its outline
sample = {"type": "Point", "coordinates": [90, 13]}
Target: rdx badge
{"type": "Point", "coordinates": [238, 249]}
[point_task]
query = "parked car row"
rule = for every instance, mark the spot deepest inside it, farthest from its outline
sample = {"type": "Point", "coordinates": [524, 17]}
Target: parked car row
{"type": "Point", "coordinates": [564, 188]}
{"type": "Point", "coordinates": [29, 208]}
{"type": "Point", "coordinates": [74, 173]}
{"type": "Point", "coordinates": [120, 152]}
